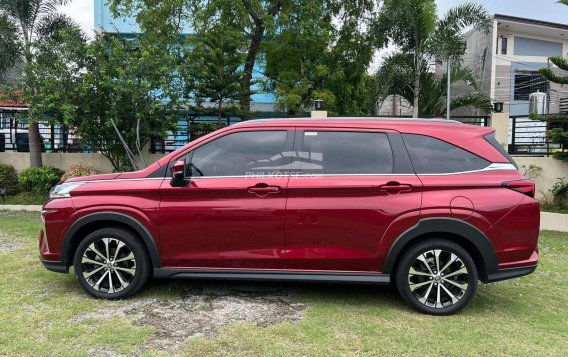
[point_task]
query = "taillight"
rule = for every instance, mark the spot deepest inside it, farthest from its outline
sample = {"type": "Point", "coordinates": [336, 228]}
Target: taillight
{"type": "Point", "coordinates": [526, 187]}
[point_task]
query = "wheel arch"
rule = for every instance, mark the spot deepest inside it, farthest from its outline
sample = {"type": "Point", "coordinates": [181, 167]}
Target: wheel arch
{"type": "Point", "coordinates": [89, 223]}
{"type": "Point", "coordinates": [460, 232]}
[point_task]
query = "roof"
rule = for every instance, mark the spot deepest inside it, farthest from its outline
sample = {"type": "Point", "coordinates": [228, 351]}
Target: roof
{"type": "Point", "coordinates": [451, 131]}
{"type": "Point", "coordinates": [12, 104]}
{"type": "Point", "coordinates": [523, 20]}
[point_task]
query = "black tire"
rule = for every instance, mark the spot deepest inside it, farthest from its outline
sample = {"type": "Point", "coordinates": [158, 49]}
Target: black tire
{"type": "Point", "coordinates": [128, 264]}
{"type": "Point", "coordinates": [420, 287]}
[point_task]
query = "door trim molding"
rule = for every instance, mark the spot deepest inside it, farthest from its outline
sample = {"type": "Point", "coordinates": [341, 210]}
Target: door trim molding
{"type": "Point", "coordinates": [258, 275]}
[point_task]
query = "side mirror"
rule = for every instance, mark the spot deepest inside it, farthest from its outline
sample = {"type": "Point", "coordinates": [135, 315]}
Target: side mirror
{"type": "Point", "coordinates": [178, 174]}
{"type": "Point", "coordinates": [178, 170]}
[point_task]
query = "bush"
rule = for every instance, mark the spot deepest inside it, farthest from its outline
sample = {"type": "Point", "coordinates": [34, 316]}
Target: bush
{"type": "Point", "coordinates": [78, 171]}
{"type": "Point", "coordinates": [9, 179]}
{"type": "Point", "coordinates": [560, 192]}
{"type": "Point", "coordinates": [39, 180]}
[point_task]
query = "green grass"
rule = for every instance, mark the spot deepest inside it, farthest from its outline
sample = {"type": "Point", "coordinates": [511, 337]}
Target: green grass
{"type": "Point", "coordinates": [526, 316]}
{"type": "Point", "coordinates": [24, 198]}
{"type": "Point", "coordinates": [554, 209]}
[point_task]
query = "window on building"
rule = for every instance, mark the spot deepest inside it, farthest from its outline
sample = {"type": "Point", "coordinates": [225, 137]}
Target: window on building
{"type": "Point", "coordinates": [503, 45]}
{"type": "Point", "coordinates": [527, 82]}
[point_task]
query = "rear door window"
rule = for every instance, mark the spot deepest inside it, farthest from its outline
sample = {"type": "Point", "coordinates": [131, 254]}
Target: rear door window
{"type": "Point", "coordinates": [344, 153]}
{"type": "Point", "coordinates": [433, 156]}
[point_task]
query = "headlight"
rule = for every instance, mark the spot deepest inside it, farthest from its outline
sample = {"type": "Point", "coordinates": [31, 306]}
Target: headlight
{"type": "Point", "coordinates": [63, 190]}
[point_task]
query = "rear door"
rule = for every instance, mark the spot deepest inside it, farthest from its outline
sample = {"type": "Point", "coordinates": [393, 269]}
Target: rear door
{"type": "Point", "coordinates": [346, 188]}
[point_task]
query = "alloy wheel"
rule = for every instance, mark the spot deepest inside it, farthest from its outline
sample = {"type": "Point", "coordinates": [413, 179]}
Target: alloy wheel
{"type": "Point", "coordinates": [438, 278]}
{"type": "Point", "coordinates": [108, 265]}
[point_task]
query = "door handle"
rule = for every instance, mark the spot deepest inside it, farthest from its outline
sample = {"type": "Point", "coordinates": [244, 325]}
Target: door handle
{"type": "Point", "coordinates": [263, 189]}
{"type": "Point", "coordinates": [395, 187]}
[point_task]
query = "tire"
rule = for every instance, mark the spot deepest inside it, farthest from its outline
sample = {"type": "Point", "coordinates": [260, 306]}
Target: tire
{"type": "Point", "coordinates": [129, 271]}
{"type": "Point", "coordinates": [419, 279]}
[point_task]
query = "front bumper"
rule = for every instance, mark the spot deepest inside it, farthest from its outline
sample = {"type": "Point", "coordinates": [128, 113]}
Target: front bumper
{"type": "Point", "coordinates": [57, 267]}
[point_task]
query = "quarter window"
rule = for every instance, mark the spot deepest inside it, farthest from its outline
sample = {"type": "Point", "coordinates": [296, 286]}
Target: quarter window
{"type": "Point", "coordinates": [433, 156]}
{"type": "Point", "coordinates": [245, 153]}
{"type": "Point", "coordinates": [343, 153]}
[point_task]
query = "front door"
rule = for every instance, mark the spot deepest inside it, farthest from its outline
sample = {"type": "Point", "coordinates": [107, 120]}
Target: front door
{"type": "Point", "coordinates": [232, 213]}
{"type": "Point", "coordinates": [343, 195]}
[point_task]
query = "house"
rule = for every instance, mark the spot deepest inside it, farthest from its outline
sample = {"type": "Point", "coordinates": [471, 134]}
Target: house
{"type": "Point", "coordinates": [507, 60]}
{"type": "Point", "coordinates": [128, 28]}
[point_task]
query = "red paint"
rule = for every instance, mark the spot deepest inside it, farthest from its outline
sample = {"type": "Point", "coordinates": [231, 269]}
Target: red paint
{"type": "Point", "coordinates": [329, 223]}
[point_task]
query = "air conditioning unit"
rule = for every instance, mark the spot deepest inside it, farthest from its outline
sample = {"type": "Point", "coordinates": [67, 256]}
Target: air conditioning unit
{"type": "Point", "coordinates": [538, 103]}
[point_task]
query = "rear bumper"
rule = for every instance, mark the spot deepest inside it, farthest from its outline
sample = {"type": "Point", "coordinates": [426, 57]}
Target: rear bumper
{"type": "Point", "coordinates": [504, 274]}
{"type": "Point", "coordinates": [57, 267]}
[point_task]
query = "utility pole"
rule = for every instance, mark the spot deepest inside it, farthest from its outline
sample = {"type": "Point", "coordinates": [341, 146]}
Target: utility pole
{"type": "Point", "coordinates": [449, 90]}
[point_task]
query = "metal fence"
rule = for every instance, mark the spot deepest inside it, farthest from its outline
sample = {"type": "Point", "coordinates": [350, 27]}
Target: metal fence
{"type": "Point", "coordinates": [58, 138]}
{"type": "Point", "coordinates": [530, 137]}
{"type": "Point", "coordinates": [14, 136]}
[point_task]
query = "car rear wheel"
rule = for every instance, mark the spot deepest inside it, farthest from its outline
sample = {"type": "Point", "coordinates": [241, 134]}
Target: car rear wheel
{"type": "Point", "coordinates": [436, 277]}
{"type": "Point", "coordinates": [111, 263]}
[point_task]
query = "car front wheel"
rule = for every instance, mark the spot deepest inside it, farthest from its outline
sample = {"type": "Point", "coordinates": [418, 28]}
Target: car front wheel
{"type": "Point", "coordinates": [111, 263]}
{"type": "Point", "coordinates": [436, 277]}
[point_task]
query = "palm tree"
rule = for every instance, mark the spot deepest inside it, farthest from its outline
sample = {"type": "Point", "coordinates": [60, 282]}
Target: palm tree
{"type": "Point", "coordinates": [21, 23]}
{"type": "Point", "coordinates": [396, 77]}
{"type": "Point", "coordinates": [414, 27]}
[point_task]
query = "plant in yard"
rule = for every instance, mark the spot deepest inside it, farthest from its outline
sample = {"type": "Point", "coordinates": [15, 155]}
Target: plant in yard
{"type": "Point", "coordinates": [39, 180]}
{"type": "Point", "coordinates": [214, 63]}
{"type": "Point", "coordinates": [558, 135]}
{"type": "Point", "coordinates": [559, 192]}
{"type": "Point", "coordinates": [78, 170]}
{"type": "Point", "coordinates": [8, 179]}
{"type": "Point", "coordinates": [22, 23]}
{"type": "Point", "coordinates": [119, 94]}
{"type": "Point", "coordinates": [396, 76]}
{"type": "Point", "coordinates": [531, 171]}
{"type": "Point", "coordinates": [422, 38]}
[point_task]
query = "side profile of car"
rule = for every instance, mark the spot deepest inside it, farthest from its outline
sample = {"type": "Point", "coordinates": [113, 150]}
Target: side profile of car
{"type": "Point", "coordinates": [431, 206]}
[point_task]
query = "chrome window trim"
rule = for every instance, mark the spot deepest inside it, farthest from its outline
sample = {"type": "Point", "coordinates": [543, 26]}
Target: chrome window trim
{"type": "Point", "coordinates": [491, 167]}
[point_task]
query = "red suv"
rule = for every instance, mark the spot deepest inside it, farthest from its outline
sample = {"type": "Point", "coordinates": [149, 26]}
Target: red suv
{"type": "Point", "coordinates": [433, 206]}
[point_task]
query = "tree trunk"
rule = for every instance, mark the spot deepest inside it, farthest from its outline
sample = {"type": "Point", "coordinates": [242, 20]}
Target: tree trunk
{"type": "Point", "coordinates": [34, 145]}
{"type": "Point", "coordinates": [417, 70]}
{"type": "Point", "coordinates": [33, 128]}
{"type": "Point", "coordinates": [259, 28]}
{"type": "Point", "coordinates": [219, 114]}
{"type": "Point", "coordinates": [246, 79]}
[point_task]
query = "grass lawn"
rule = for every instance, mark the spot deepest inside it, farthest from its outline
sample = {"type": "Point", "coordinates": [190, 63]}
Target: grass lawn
{"type": "Point", "coordinates": [24, 198]}
{"type": "Point", "coordinates": [39, 313]}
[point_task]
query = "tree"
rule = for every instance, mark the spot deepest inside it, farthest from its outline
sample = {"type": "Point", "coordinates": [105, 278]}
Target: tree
{"type": "Point", "coordinates": [322, 52]}
{"type": "Point", "coordinates": [396, 77]}
{"type": "Point", "coordinates": [213, 65]}
{"type": "Point", "coordinates": [260, 21]}
{"type": "Point", "coordinates": [106, 86]}
{"type": "Point", "coordinates": [32, 20]}
{"type": "Point", "coordinates": [558, 135]}
{"type": "Point", "coordinates": [415, 28]}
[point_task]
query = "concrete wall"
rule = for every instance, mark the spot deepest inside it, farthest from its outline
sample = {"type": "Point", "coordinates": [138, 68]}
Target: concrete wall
{"type": "Point", "coordinates": [551, 169]}
{"type": "Point", "coordinates": [21, 160]}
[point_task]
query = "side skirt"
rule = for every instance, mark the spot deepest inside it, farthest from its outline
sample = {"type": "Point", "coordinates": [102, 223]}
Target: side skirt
{"type": "Point", "coordinates": [255, 275]}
